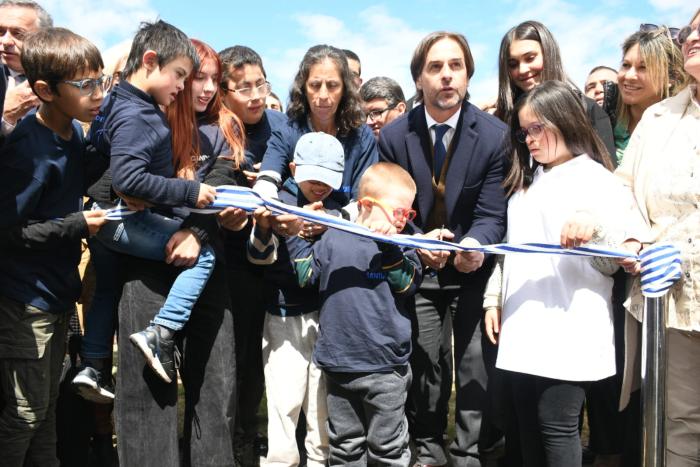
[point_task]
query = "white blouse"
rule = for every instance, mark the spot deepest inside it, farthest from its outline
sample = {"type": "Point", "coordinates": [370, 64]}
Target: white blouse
{"type": "Point", "coordinates": [557, 316]}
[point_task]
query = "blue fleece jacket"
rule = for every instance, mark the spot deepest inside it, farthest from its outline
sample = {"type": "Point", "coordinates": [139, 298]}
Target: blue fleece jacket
{"type": "Point", "coordinates": [359, 146]}
{"type": "Point", "coordinates": [133, 130]}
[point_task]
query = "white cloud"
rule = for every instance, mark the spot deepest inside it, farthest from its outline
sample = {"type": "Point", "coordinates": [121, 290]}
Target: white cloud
{"type": "Point", "coordinates": [384, 44]}
{"type": "Point", "coordinates": [103, 22]}
{"type": "Point", "coordinates": [673, 12]}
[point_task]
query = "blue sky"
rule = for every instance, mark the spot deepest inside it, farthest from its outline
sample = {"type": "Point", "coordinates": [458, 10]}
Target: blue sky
{"type": "Point", "coordinates": [383, 34]}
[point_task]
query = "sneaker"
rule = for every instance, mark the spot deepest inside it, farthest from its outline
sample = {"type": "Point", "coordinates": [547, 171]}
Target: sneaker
{"type": "Point", "coordinates": [158, 347]}
{"type": "Point", "coordinates": [94, 385]}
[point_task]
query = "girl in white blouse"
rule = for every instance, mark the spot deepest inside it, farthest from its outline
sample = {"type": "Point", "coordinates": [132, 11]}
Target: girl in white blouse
{"type": "Point", "coordinates": [553, 323]}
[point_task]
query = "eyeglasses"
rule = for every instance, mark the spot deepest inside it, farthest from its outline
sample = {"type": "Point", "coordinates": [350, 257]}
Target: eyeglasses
{"type": "Point", "coordinates": [535, 130]}
{"type": "Point", "coordinates": [88, 86]}
{"type": "Point", "coordinates": [399, 214]}
{"type": "Point", "coordinates": [685, 33]}
{"type": "Point", "coordinates": [263, 90]}
{"type": "Point", "coordinates": [375, 115]}
{"type": "Point", "coordinates": [672, 33]}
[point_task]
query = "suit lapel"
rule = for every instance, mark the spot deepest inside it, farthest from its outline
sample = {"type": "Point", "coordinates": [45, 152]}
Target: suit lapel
{"type": "Point", "coordinates": [462, 146]}
{"type": "Point", "coordinates": [419, 149]}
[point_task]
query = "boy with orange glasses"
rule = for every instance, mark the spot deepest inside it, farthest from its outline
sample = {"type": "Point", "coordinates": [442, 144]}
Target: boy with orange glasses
{"type": "Point", "coordinates": [364, 340]}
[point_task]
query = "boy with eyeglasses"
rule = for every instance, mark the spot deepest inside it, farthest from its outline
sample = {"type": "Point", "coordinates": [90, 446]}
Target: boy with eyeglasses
{"type": "Point", "coordinates": [43, 174]}
{"type": "Point", "coordinates": [364, 341]}
{"type": "Point", "coordinates": [132, 129]}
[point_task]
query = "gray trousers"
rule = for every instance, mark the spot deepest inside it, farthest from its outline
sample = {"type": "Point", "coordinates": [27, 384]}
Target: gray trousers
{"type": "Point", "coordinates": [32, 347]}
{"type": "Point", "coordinates": [366, 418]}
{"type": "Point", "coordinates": [683, 399]}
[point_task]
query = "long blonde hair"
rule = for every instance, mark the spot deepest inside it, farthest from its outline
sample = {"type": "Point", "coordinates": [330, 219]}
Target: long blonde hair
{"type": "Point", "coordinates": [663, 61]}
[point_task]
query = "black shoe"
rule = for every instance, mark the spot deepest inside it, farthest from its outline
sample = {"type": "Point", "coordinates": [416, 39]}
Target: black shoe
{"type": "Point", "coordinates": [158, 347]}
{"type": "Point", "coordinates": [94, 385]}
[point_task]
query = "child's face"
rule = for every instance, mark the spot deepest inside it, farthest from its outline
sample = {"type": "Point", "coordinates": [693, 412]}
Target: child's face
{"type": "Point", "coordinates": [204, 85]}
{"type": "Point", "coordinates": [81, 99]}
{"type": "Point", "coordinates": [314, 190]}
{"type": "Point", "coordinates": [545, 144]}
{"type": "Point", "coordinates": [393, 209]}
{"type": "Point", "coordinates": [164, 83]}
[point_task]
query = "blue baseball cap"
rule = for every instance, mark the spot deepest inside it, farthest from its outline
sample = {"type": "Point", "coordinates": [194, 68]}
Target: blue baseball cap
{"type": "Point", "coordinates": [319, 157]}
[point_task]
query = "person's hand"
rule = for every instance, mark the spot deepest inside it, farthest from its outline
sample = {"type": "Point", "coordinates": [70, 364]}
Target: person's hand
{"type": "Point", "coordinates": [206, 196]}
{"type": "Point", "coordinates": [631, 265]}
{"type": "Point", "coordinates": [182, 249]}
{"type": "Point", "coordinates": [577, 230]}
{"type": "Point", "coordinates": [310, 230]}
{"type": "Point", "coordinates": [135, 204]}
{"type": "Point", "coordinates": [95, 219]}
{"type": "Point", "coordinates": [263, 218]}
{"type": "Point", "coordinates": [234, 219]}
{"type": "Point", "coordinates": [469, 261]}
{"type": "Point", "coordinates": [252, 175]}
{"type": "Point", "coordinates": [492, 323]}
{"type": "Point", "coordinates": [436, 259]}
{"type": "Point", "coordinates": [18, 101]}
{"type": "Point", "coordinates": [286, 224]}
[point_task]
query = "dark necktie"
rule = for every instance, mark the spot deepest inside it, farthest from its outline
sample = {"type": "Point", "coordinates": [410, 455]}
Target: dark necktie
{"type": "Point", "coordinates": [440, 150]}
{"type": "Point", "coordinates": [19, 79]}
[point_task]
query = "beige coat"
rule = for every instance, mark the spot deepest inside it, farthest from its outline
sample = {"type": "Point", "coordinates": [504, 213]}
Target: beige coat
{"type": "Point", "coordinates": [649, 145]}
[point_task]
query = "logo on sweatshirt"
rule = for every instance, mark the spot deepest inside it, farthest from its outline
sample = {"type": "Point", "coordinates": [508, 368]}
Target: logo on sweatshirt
{"type": "Point", "coordinates": [375, 276]}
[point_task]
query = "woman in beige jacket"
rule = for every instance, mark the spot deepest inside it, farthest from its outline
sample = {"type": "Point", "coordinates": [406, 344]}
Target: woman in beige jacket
{"type": "Point", "coordinates": [662, 167]}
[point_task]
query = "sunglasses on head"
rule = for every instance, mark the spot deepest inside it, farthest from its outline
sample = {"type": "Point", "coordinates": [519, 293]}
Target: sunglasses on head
{"type": "Point", "coordinates": [672, 33]}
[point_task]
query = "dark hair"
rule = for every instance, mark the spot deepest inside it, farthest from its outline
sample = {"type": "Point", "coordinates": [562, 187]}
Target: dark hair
{"type": "Point", "coordinates": [602, 67]}
{"type": "Point", "coordinates": [350, 55]}
{"type": "Point", "coordinates": [233, 58]}
{"type": "Point", "coordinates": [421, 53]}
{"type": "Point", "coordinates": [43, 18]}
{"type": "Point", "coordinates": [552, 69]}
{"type": "Point", "coordinates": [559, 108]}
{"type": "Point", "coordinates": [167, 41]}
{"type": "Point", "coordinates": [349, 115]}
{"type": "Point", "coordinates": [56, 54]}
{"type": "Point", "coordinates": [382, 87]}
{"type": "Point", "coordinates": [277, 98]}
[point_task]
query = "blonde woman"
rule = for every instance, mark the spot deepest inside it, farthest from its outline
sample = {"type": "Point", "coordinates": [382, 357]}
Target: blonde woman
{"type": "Point", "coordinates": [662, 168]}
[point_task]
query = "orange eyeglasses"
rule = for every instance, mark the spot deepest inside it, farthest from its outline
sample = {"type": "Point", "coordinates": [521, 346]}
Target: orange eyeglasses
{"type": "Point", "coordinates": [399, 214]}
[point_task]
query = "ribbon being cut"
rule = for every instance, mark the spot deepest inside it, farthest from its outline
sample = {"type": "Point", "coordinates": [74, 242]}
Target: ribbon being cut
{"type": "Point", "coordinates": [661, 264]}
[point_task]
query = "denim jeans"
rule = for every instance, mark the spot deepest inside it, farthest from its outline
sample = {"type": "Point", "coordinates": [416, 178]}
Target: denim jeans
{"type": "Point", "coordinates": [99, 320]}
{"type": "Point", "coordinates": [145, 235]}
{"type": "Point", "coordinates": [146, 412]}
{"type": "Point", "coordinates": [32, 347]}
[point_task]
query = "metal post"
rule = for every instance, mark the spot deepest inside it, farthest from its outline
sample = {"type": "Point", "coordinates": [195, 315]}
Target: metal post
{"type": "Point", "coordinates": [654, 382]}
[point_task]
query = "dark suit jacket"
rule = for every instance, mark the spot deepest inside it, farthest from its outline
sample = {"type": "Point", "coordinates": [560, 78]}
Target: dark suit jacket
{"type": "Point", "coordinates": [474, 196]}
{"type": "Point", "coordinates": [3, 89]}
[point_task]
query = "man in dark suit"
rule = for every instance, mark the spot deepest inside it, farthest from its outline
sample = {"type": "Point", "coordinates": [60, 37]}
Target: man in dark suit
{"type": "Point", "coordinates": [18, 18]}
{"type": "Point", "coordinates": [454, 152]}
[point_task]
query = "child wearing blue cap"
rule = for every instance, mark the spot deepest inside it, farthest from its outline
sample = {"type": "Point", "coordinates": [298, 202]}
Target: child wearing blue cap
{"type": "Point", "coordinates": [292, 381]}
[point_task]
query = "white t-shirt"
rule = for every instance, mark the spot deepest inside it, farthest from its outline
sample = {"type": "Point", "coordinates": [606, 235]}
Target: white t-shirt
{"type": "Point", "coordinates": [557, 318]}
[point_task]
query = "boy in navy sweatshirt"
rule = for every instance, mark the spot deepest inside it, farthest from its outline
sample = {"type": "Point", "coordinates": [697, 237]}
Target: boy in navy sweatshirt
{"type": "Point", "coordinates": [132, 129]}
{"type": "Point", "coordinates": [365, 331]}
{"type": "Point", "coordinates": [44, 172]}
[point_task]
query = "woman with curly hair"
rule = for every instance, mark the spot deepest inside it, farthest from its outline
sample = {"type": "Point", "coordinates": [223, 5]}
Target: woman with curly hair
{"type": "Point", "coordinates": [323, 98]}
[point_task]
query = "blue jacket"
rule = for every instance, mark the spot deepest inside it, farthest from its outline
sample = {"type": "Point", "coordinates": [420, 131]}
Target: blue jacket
{"type": "Point", "coordinates": [360, 152]}
{"type": "Point", "coordinates": [258, 134]}
{"type": "Point", "coordinates": [132, 129]}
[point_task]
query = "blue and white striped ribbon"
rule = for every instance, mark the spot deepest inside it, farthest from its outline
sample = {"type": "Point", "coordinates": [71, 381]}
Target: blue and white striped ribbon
{"type": "Point", "coordinates": [660, 263]}
{"type": "Point", "coordinates": [661, 268]}
{"type": "Point", "coordinates": [118, 213]}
